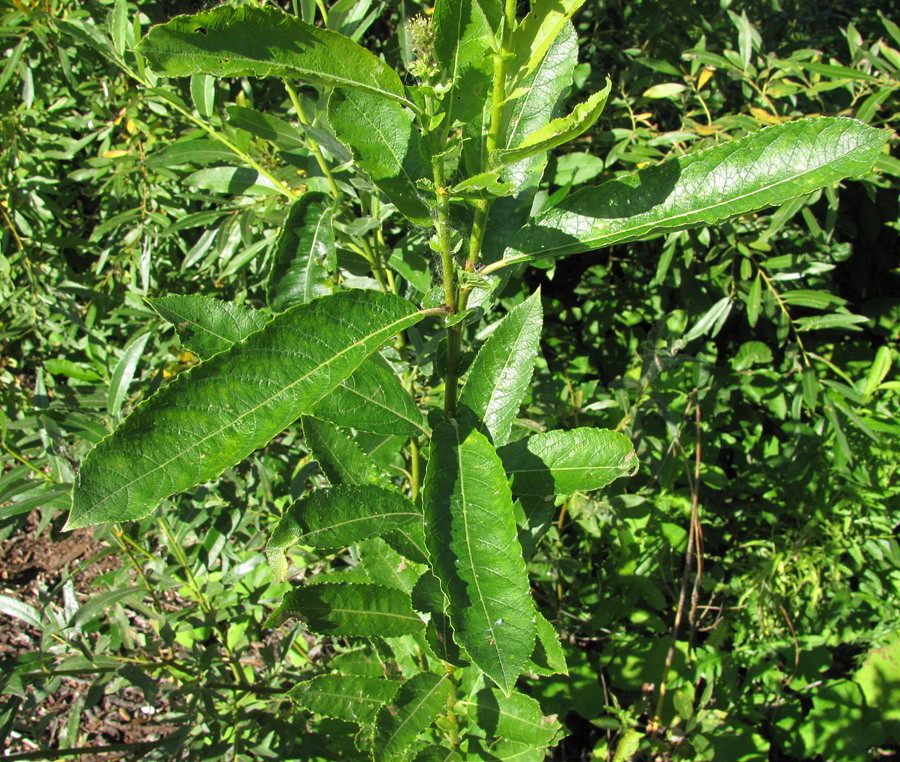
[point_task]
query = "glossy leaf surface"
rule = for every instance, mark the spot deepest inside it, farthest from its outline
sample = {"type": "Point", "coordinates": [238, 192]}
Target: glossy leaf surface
{"type": "Point", "coordinates": [385, 144]}
{"type": "Point", "coordinates": [217, 413]}
{"type": "Point", "coordinates": [502, 369]}
{"type": "Point", "coordinates": [470, 532]}
{"type": "Point", "coordinates": [354, 698]}
{"type": "Point", "coordinates": [563, 462]}
{"type": "Point", "coordinates": [760, 170]}
{"type": "Point", "coordinates": [538, 31]}
{"type": "Point", "coordinates": [337, 517]}
{"type": "Point", "coordinates": [413, 708]}
{"type": "Point", "coordinates": [305, 258]}
{"type": "Point", "coordinates": [349, 609]}
{"type": "Point", "coordinates": [250, 41]}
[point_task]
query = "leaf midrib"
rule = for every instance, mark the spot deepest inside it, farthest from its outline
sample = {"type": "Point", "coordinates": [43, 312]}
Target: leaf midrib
{"type": "Point", "coordinates": [234, 421]}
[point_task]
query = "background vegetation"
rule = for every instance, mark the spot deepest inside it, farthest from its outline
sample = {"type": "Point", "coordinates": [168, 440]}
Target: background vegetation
{"type": "Point", "coordinates": [738, 599]}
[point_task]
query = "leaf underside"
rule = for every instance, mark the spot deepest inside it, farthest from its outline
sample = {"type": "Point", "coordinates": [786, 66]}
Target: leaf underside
{"type": "Point", "coordinates": [764, 169]}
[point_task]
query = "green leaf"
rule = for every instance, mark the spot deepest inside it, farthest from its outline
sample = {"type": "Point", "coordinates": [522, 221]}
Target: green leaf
{"type": "Point", "coordinates": [305, 257]}
{"type": "Point", "coordinates": [428, 598]}
{"type": "Point", "coordinates": [233, 180]}
{"type": "Point", "coordinates": [337, 517]}
{"type": "Point", "coordinates": [351, 698]}
{"type": "Point", "coordinates": [385, 144]}
{"type": "Point", "coordinates": [60, 366]}
{"type": "Point", "coordinates": [516, 717]}
{"type": "Point", "coordinates": [879, 680]}
{"type": "Point", "coordinates": [338, 454]}
{"type": "Point", "coordinates": [711, 321]}
{"type": "Point", "coordinates": [413, 708]}
{"type": "Point", "coordinates": [349, 609]}
{"type": "Point", "coordinates": [537, 32]}
{"type": "Point", "coordinates": [544, 98]}
{"type": "Point", "coordinates": [470, 532]}
{"type": "Point", "coordinates": [754, 300]}
{"type": "Point", "coordinates": [745, 175]}
{"type": "Point", "coordinates": [558, 131]}
{"type": "Point", "coordinates": [218, 412]}
{"type": "Point", "coordinates": [277, 131]}
{"type": "Point", "coordinates": [195, 151]}
{"type": "Point", "coordinates": [373, 399]}
{"type": "Point", "coordinates": [20, 610]}
{"type": "Point", "coordinates": [502, 370]}
{"type": "Point", "coordinates": [881, 366]}
{"type": "Point", "coordinates": [203, 94]}
{"type": "Point", "coordinates": [207, 326]}
{"type": "Point", "coordinates": [548, 657]}
{"type": "Point", "coordinates": [250, 41]}
{"type": "Point", "coordinates": [564, 462]}
{"type": "Point", "coordinates": [464, 32]}
{"type": "Point", "coordinates": [123, 373]}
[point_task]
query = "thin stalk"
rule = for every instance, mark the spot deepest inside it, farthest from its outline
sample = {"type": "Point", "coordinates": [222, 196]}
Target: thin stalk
{"type": "Point", "coordinates": [311, 145]}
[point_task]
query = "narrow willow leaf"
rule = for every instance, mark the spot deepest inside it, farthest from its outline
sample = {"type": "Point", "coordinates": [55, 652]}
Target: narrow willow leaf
{"type": "Point", "coordinates": [203, 94]}
{"type": "Point", "coordinates": [502, 369]}
{"type": "Point", "coordinates": [337, 517]}
{"type": "Point", "coordinates": [558, 131]}
{"type": "Point", "coordinates": [763, 169]}
{"type": "Point", "coordinates": [250, 41]}
{"type": "Point", "coordinates": [373, 399]}
{"type": "Point", "coordinates": [563, 462]}
{"type": "Point", "coordinates": [881, 366]}
{"type": "Point", "coordinates": [754, 300]}
{"type": "Point", "coordinates": [339, 455]}
{"type": "Point", "coordinates": [353, 698]}
{"type": "Point", "coordinates": [349, 609]}
{"type": "Point", "coordinates": [123, 373]}
{"type": "Point", "coordinates": [537, 32]}
{"type": "Point", "coordinates": [516, 717]}
{"type": "Point", "coordinates": [435, 753]}
{"type": "Point", "coordinates": [470, 532]}
{"type": "Point", "coordinates": [544, 98]}
{"type": "Point", "coordinates": [218, 412]}
{"type": "Point", "coordinates": [428, 598]}
{"type": "Point", "coordinates": [207, 326]}
{"type": "Point", "coordinates": [194, 151]}
{"type": "Point", "coordinates": [305, 257]}
{"type": "Point", "coordinates": [277, 131]}
{"type": "Point", "coordinates": [385, 144]}
{"type": "Point", "coordinates": [464, 31]}
{"type": "Point", "coordinates": [548, 657]}
{"type": "Point", "coordinates": [413, 708]}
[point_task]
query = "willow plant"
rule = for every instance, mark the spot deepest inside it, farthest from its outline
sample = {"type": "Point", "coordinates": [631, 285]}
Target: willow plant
{"type": "Point", "coordinates": [453, 151]}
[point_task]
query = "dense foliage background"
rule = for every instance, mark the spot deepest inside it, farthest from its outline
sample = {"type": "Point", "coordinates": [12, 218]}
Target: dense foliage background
{"type": "Point", "coordinates": [738, 599]}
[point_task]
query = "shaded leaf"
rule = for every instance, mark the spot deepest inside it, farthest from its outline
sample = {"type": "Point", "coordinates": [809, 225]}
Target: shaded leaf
{"type": "Point", "coordinates": [373, 399]}
{"type": "Point", "coordinates": [385, 144]}
{"type": "Point", "coordinates": [563, 462]}
{"type": "Point", "coordinates": [470, 532]}
{"type": "Point", "coordinates": [305, 257]}
{"type": "Point", "coordinates": [516, 717]}
{"type": "Point", "coordinates": [349, 609]}
{"type": "Point", "coordinates": [277, 131]}
{"type": "Point", "coordinates": [353, 698]}
{"type": "Point", "coordinates": [413, 708]}
{"type": "Point", "coordinates": [339, 455]}
{"type": "Point", "coordinates": [337, 517]}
